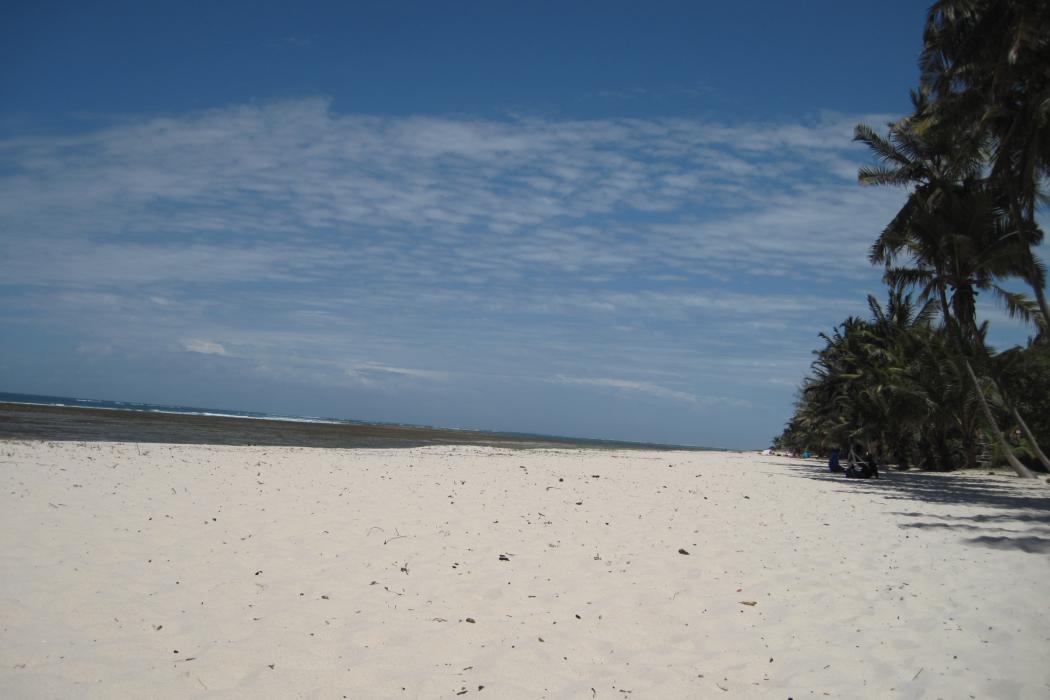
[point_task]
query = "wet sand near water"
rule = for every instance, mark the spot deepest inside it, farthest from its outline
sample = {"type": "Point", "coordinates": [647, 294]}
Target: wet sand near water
{"type": "Point", "coordinates": [39, 422]}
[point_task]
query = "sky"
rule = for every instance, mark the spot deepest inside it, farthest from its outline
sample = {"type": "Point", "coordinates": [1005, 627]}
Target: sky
{"type": "Point", "coordinates": [617, 220]}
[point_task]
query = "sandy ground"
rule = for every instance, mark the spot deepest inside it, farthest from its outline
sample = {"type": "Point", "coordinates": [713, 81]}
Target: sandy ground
{"type": "Point", "coordinates": [201, 571]}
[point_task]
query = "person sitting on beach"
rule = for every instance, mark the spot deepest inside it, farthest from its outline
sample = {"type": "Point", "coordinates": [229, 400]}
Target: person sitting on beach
{"type": "Point", "coordinates": [833, 461]}
{"type": "Point", "coordinates": [871, 466]}
{"type": "Point", "coordinates": [864, 468]}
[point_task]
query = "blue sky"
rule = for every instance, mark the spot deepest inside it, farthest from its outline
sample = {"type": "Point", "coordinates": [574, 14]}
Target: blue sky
{"type": "Point", "coordinates": [616, 220]}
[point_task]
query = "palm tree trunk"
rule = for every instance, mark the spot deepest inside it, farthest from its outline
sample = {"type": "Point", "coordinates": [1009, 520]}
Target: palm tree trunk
{"type": "Point", "coordinates": [1031, 438]}
{"type": "Point", "coordinates": [949, 320]}
{"type": "Point", "coordinates": [1021, 422]}
{"type": "Point", "coordinates": [1021, 469]}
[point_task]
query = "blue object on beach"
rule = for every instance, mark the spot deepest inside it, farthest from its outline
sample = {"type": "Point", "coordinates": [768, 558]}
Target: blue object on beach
{"type": "Point", "coordinates": [833, 461]}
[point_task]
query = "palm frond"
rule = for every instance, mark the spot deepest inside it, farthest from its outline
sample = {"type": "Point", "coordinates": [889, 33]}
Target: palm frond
{"type": "Point", "coordinates": [876, 175]}
{"type": "Point", "coordinates": [1016, 305]}
{"type": "Point", "coordinates": [884, 149]}
{"type": "Point", "coordinates": [906, 277]}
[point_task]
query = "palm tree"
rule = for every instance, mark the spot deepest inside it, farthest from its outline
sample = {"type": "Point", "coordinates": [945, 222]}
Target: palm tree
{"type": "Point", "coordinates": [892, 342]}
{"type": "Point", "coordinates": [953, 413]}
{"type": "Point", "coordinates": [828, 402]}
{"type": "Point", "coordinates": [952, 231]}
{"type": "Point", "coordinates": [886, 380]}
{"type": "Point", "coordinates": [863, 389]}
{"type": "Point", "coordinates": [974, 155]}
{"type": "Point", "coordinates": [986, 67]}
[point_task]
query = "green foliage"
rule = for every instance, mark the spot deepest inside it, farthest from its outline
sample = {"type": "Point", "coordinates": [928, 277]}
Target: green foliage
{"type": "Point", "coordinates": [984, 65]}
{"type": "Point", "coordinates": [880, 383]}
{"type": "Point", "coordinates": [973, 156]}
{"type": "Point", "coordinates": [1025, 374]}
{"type": "Point", "coordinates": [985, 80]}
{"type": "Point", "coordinates": [894, 383]}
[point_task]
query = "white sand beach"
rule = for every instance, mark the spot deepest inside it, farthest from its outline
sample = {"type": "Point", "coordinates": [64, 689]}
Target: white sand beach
{"type": "Point", "coordinates": [169, 571]}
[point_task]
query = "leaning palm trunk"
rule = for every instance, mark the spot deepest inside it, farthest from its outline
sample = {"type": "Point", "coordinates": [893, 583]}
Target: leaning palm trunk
{"type": "Point", "coordinates": [1021, 422]}
{"type": "Point", "coordinates": [1031, 438]}
{"type": "Point", "coordinates": [1024, 425]}
{"type": "Point", "coordinates": [1021, 469]}
{"type": "Point", "coordinates": [949, 320]}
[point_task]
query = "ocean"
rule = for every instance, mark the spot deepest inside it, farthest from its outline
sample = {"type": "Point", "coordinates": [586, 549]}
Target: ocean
{"type": "Point", "coordinates": [70, 402]}
{"type": "Point", "coordinates": [36, 417]}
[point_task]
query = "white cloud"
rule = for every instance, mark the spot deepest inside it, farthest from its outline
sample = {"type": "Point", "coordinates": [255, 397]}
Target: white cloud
{"type": "Point", "coordinates": [629, 219]}
{"type": "Point", "coordinates": [656, 390]}
{"type": "Point", "coordinates": [204, 347]}
{"type": "Point", "coordinates": [429, 194]}
{"type": "Point", "coordinates": [369, 371]}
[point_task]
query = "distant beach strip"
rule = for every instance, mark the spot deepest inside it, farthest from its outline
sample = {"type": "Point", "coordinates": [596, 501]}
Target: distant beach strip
{"type": "Point", "coordinates": [33, 417]}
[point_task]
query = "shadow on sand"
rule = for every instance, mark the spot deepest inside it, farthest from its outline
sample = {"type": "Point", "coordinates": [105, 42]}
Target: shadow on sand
{"type": "Point", "coordinates": [1020, 520]}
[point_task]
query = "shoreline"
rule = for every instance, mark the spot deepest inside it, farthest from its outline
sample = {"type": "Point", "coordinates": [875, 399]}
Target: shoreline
{"type": "Point", "coordinates": [21, 421]}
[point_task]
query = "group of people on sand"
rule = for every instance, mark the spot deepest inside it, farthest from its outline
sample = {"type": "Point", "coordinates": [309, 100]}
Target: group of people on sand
{"type": "Point", "coordinates": [859, 465]}
{"type": "Point", "coordinates": [864, 466]}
